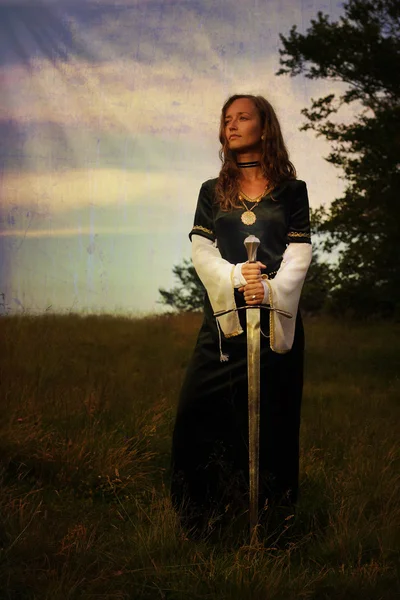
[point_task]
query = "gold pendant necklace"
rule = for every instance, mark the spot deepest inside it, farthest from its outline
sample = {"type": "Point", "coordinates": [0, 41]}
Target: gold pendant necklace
{"type": "Point", "coordinates": [243, 196]}
{"type": "Point", "coordinates": [248, 217]}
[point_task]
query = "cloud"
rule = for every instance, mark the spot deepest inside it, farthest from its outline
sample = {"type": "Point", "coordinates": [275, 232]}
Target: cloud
{"type": "Point", "coordinates": [69, 232]}
{"type": "Point", "coordinates": [162, 99]}
{"type": "Point", "coordinates": [147, 66]}
{"type": "Point", "coordinates": [57, 192]}
{"type": "Point", "coordinates": [145, 97]}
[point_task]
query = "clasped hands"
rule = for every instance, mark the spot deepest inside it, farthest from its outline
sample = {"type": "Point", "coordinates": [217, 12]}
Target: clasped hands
{"type": "Point", "coordinates": [254, 290]}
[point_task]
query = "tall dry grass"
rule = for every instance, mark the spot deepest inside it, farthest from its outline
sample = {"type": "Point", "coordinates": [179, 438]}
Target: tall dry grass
{"type": "Point", "coordinates": [86, 414]}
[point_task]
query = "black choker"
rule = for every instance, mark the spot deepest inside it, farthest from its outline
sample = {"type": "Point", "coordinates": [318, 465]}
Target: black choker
{"type": "Point", "coordinates": [245, 165]}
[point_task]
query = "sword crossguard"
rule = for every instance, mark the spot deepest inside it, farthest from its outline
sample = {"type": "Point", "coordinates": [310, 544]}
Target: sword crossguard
{"type": "Point", "coordinates": [252, 242]}
{"type": "Point", "coordinates": [284, 313]}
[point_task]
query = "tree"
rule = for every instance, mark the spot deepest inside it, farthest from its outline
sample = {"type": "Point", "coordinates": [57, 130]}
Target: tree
{"type": "Point", "coordinates": [316, 293]}
{"type": "Point", "coordinates": [362, 51]}
{"type": "Point", "coordinates": [4, 307]}
{"type": "Point", "coordinates": [188, 295]}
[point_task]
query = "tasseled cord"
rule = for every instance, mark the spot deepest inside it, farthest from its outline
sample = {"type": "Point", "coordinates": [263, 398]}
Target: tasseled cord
{"type": "Point", "coordinates": [222, 357]}
{"type": "Point", "coordinates": [225, 357]}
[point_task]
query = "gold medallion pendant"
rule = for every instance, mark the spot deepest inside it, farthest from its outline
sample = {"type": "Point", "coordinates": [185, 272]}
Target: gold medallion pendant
{"type": "Point", "coordinates": [248, 217]}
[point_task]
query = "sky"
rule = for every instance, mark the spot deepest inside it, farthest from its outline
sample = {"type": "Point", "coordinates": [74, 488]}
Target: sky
{"type": "Point", "coordinates": [109, 119]}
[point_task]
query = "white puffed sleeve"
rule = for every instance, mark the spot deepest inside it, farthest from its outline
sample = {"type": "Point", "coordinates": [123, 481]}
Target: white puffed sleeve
{"type": "Point", "coordinates": [284, 292]}
{"type": "Point", "coordinates": [219, 277]}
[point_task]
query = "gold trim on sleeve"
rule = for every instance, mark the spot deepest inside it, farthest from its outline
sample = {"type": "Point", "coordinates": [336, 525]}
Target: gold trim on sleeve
{"type": "Point", "coordinates": [298, 234]}
{"type": "Point", "coordinates": [239, 330]}
{"type": "Point", "coordinates": [201, 228]}
{"type": "Point", "coordinates": [233, 334]}
{"type": "Point", "coordinates": [271, 317]}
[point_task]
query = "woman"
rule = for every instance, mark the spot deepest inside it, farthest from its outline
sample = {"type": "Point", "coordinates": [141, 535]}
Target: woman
{"type": "Point", "coordinates": [256, 193]}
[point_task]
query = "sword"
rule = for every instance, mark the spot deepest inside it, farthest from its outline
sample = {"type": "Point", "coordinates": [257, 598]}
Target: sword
{"type": "Point", "coordinates": [253, 376]}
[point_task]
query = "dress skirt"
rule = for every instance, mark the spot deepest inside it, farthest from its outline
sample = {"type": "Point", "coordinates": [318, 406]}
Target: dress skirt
{"type": "Point", "coordinates": [210, 471]}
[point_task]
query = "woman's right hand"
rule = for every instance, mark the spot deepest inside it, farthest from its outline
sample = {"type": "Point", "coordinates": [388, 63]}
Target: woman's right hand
{"type": "Point", "coordinates": [252, 271]}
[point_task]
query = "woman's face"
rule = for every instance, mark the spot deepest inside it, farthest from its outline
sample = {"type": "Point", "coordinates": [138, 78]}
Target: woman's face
{"type": "Point", "coordinates": [243, 126]}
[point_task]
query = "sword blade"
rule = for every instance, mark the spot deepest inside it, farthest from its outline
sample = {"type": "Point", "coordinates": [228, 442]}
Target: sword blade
{"type": "Point", "coordinates": [253, 375]}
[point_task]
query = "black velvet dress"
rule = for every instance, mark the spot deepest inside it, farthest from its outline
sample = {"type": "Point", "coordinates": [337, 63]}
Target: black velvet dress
{"type": "Point", "coordinates": [210, 439]}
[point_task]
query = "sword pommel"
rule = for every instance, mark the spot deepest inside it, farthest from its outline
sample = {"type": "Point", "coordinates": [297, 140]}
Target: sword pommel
{"type": "Point", "coordinates": [252, 242]}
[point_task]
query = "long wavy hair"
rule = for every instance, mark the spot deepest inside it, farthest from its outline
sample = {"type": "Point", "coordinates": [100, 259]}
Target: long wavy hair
{"type": "Point", "coordinates": [275, 163]}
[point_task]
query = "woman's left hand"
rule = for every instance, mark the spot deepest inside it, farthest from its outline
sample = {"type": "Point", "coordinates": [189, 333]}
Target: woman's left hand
{"type": "Point", "coordinates": [253, 292]}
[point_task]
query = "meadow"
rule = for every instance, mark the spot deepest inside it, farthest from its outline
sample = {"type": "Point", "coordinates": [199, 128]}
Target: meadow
{"type": "Point", "coordinates": [87, 408]}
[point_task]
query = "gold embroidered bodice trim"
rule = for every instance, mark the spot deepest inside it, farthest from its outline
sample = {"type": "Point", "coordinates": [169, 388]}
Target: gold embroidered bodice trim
{"type": "Point", "coordinates": [201, 228]}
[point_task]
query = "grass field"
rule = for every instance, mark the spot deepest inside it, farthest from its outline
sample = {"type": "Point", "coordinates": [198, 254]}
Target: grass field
{"type": "Point", "coordinates": [87, 408]}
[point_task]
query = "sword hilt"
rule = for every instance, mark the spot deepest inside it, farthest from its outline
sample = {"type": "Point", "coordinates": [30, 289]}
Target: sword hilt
{"type": "Point", "coordinates": [252, 242]}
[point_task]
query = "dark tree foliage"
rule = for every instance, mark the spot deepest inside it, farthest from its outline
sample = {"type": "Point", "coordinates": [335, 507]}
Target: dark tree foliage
{"type": "Point", "coordinates": [362, 51]}
{"type": "Point", "coordinates": [316, 294]}
{"type": "Point", "coordinates": [4, 307]}
{"type": "Point", "coordinates": [188, 295]}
